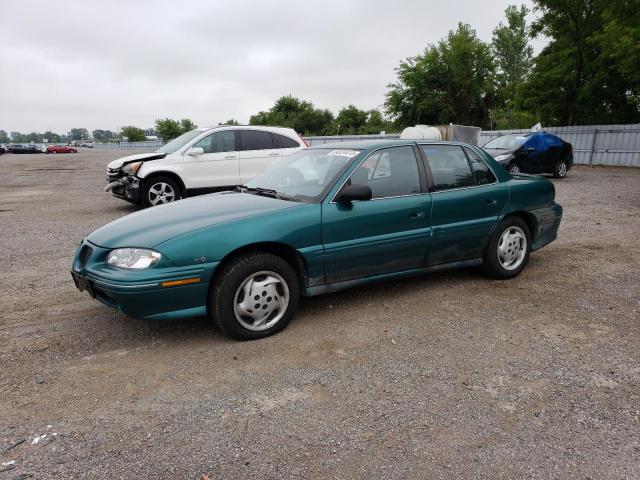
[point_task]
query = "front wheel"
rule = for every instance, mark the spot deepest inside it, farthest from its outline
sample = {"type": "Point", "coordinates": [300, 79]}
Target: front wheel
{"type": "Point", "coordinates": [560, 170]}
{"type": "Point", "coordinates": [159, 190]}
{"type": "Point", "coordinates": [508, 250]}
{"type": "Point", "coordinates": [254, 296]}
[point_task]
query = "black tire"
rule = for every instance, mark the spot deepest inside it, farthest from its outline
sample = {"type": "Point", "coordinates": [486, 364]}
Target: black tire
{"type": "Point", "coordinates": [148, 184]}
{"type": "Point", "coordinates": [560, 170]}
{"type": "Point", "coordinates": [226, 283]}
{"type": "Point", "coordinates": [514, 168]}
{"type": "Point", "coordinates": [491, 265]}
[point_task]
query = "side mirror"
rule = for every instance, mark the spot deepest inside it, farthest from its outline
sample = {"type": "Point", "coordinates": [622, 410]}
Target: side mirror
{"type": "Point", "coordinates": [354, 192]}
{"type": "Point", "coordinates": [194, 152]}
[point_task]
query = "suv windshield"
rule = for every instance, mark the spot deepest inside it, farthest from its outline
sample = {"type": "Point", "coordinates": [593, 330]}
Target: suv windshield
{"type": "Point", "coordinates": [179, 142]}
{"type": "Point", "coordinates": [305, 175]}
{"type": "Point", "coordinates": [507, 142]}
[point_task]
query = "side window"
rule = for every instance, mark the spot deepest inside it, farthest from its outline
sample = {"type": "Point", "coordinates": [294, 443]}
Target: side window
{"type": "Point", "coordinates": [552, 141]}
{"type": "Point", "coordinates": [449, 166]}
{"type": "Point", "coordinates": [481, 171]}
{"type": "Point", "coordinates": [217, 142]}
{"type": "Point", "coordinates": [255, 140]}
{"type": "Point", "coordinates": [284, 142]}
{"type": "Point", "coordinates": [533, 142]}
{"type": "Point", "coordinates": [391, 172]}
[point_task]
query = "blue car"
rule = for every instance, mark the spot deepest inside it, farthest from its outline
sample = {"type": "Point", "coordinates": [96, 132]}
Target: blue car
{"type": "Point", "coordinates": [538, 152]}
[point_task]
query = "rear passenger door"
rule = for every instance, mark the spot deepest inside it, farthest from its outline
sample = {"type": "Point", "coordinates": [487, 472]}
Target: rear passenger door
{"type": "Point", "coordinates": [257, 152]}
{"type": "Point", "coordinates": [466, 199]}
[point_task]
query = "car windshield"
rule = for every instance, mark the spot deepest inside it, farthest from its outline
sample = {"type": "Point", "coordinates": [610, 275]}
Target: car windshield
{"type": "Point", "coordinates": [306, 175]}
{"type": "Point", "coordinates": [179, 142]}
{"type": "Point", "coordinates": [507, 142]}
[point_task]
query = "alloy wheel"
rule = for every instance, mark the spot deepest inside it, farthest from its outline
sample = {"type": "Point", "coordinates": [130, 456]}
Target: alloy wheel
{"type": "Point", "coordinates": [160, 193]}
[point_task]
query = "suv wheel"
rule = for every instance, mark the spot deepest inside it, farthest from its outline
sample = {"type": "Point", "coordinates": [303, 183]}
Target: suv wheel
{"type": "Point", "coordinates": [254, 296]}
{"type": "Point", "coordinates": [159, 190]}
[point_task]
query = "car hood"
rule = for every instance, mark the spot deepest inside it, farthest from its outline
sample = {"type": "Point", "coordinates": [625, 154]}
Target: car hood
{"type": "Point", "coordinates": [155, 225]}
{"type": "Point", "coordinates": [117, 163]}
{"type": "Point", "coordinates": [494, 152]}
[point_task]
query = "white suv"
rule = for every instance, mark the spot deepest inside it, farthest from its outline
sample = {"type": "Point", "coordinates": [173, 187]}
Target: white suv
{"type": "Point", "coordinates": [200, 161]}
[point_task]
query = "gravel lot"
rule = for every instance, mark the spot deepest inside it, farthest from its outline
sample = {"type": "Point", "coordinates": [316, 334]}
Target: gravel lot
{"type": "Point", "coordinates": [447, 376]}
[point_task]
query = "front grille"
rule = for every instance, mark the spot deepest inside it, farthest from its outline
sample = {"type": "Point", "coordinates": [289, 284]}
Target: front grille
{"type": "Point", "coordinates": [85, 254]}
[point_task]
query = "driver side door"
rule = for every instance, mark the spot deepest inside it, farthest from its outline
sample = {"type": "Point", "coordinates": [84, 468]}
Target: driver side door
{"type": "Point", "coordinates": [386, 234]}
{"type": "Point", "coordinates": [218, 166]}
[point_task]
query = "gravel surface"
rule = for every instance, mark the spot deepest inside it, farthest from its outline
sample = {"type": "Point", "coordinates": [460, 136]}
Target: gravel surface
{"type": "Point", "coordinates": [447, 376]}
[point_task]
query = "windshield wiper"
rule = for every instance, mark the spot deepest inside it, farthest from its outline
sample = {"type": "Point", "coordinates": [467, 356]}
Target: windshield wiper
{"type": "Point", "coordinates": [266, 191]}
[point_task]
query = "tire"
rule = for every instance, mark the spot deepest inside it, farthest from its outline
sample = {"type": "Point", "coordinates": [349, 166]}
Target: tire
{"type": "Point", "coordinates": [255, 275]}
{"type": "Point", "coordinates": [561, 169]}
{"type": "Point", "coordinates": [506, 256]}
{"type": "Point", "coordinates": [514, 168]}
{"type": "Point", "coordinates": [159, 190]}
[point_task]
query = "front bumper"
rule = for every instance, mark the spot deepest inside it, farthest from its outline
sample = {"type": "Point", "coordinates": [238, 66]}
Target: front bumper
{"type": "Point", "coordinates": [125, 187]}
{"type": "Point", "coordinates": [139, 293]}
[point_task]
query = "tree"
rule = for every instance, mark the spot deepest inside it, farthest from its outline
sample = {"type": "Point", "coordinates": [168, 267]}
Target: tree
{"type": "Point", "coordinates": [294, 113]}
{"type": "Point", "coordinates": [511, 47]}
{"type": "Point", "coordinates": [169, 129]}
{"type": "Point", "coordinates": [351, 120]}
{"type": "Point", "coordinates": [133, 134]}
{"type": "Point", "coordinates": [4, 138]}
{"type": "Point", "coordinates": [230, 122]}
{"type": "Point", "coordinates": [78, 134]}
{"type": "Point", "coordinates": [450, 82]}
{"type": "Point", "coordinates": [580, 77]}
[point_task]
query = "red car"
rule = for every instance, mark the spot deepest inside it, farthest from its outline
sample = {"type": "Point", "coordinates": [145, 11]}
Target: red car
{"type": "Point", "coordinates": [60, 149]}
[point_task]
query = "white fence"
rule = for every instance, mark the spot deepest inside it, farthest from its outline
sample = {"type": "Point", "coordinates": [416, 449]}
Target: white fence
{"type": "Point", "coordinates": [617, 145]}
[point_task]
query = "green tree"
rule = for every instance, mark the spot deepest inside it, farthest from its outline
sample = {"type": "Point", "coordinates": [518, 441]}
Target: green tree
{"type": "Point", "coordinates": [351, 120]}
{"type": "Point", "coordinates": [450, 82]}
{"type": "Point", "coordinates": [169, 129]}
{"type": "Point", "coordinates": [230, 122]}
{"type": "Point", "coordinates": [133, 134]}
{"type": "Point", "coordinates": [580, 76]}
{"type": "Point", "coordinates": [298, 114]}
{"type": "Point", "coordinates": [4, 138]}
{"type": "Point", "coordinates": [78, 134]}
{"type": "Point", "coordinates": [510, 46]}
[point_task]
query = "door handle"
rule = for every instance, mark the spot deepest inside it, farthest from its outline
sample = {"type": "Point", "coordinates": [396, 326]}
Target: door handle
{"type": "Point", "coordinates": [274, 154]}
{"type": "Point", "coordinates": [231, 156]}
{"type": "Point", "coordinates": [415, 214]}
{"type": "Point", "coordinates": [491, 201]}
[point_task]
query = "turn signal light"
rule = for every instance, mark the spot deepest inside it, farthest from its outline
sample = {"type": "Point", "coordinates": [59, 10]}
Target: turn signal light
{"type": "Point", "coordinates": [175, 283]}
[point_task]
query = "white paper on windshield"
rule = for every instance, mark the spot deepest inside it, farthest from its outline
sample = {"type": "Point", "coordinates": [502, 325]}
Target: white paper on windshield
{"type": "Point", "coordinates": [344, 153]}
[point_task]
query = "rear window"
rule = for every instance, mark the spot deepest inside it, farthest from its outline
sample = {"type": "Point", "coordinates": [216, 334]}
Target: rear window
{"type": "Point", "coordinates": [449, 166]}
{"type": "Point", "coordinates": [284, 142]}
{"type": "Point", "coordinates": [255, 140]}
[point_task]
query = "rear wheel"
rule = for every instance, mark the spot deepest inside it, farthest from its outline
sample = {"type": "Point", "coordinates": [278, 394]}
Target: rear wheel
{"type": "Point", "coordinates": [159, 190]}
{"type": "Point", "coordinates": [514, 168]}
{"type": "Point", "coordinates": [254, 296]}
{"type": "Point", "coordinates": [561, 169]}
{"type": "Point", "coordinates": [508, 251]}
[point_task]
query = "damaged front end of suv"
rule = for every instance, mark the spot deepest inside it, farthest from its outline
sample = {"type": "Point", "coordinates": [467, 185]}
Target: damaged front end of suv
{"type": "Point", "coordinates": [122, 179]}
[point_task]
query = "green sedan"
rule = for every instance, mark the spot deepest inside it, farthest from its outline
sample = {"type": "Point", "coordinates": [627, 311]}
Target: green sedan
{"type": "Point", "coordinates": [324, 219]}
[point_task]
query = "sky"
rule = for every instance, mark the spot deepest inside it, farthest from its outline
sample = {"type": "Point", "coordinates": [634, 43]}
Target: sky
{"type": "Point", "coordinates": [111, 63]}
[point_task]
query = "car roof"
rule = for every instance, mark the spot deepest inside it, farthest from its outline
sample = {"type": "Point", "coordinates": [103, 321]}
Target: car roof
{"type": "Point", "coordinates": [269, 128]}
{"type": "Point", "coordinates": [367, 144]}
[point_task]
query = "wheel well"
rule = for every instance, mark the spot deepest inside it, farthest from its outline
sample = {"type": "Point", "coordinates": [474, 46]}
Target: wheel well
{"type": "Point", "coordinates": [529, 219]}
{"type": "Point", "coordinates": [282, 250]}
{"type": "Point", "coordinates": [171, 175]}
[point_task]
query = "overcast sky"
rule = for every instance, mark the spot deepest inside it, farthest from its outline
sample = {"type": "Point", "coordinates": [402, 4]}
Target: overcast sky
{"type": "Point", "coordinates": [106, 64]}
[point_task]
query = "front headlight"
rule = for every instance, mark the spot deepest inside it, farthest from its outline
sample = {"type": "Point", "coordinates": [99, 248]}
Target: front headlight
{"type": "Point", "coordinates": [133, 258]}
{"type": "Point", "coordinates": [502, 157]}
{"type": "Point", "coordinates": [131, 168]}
